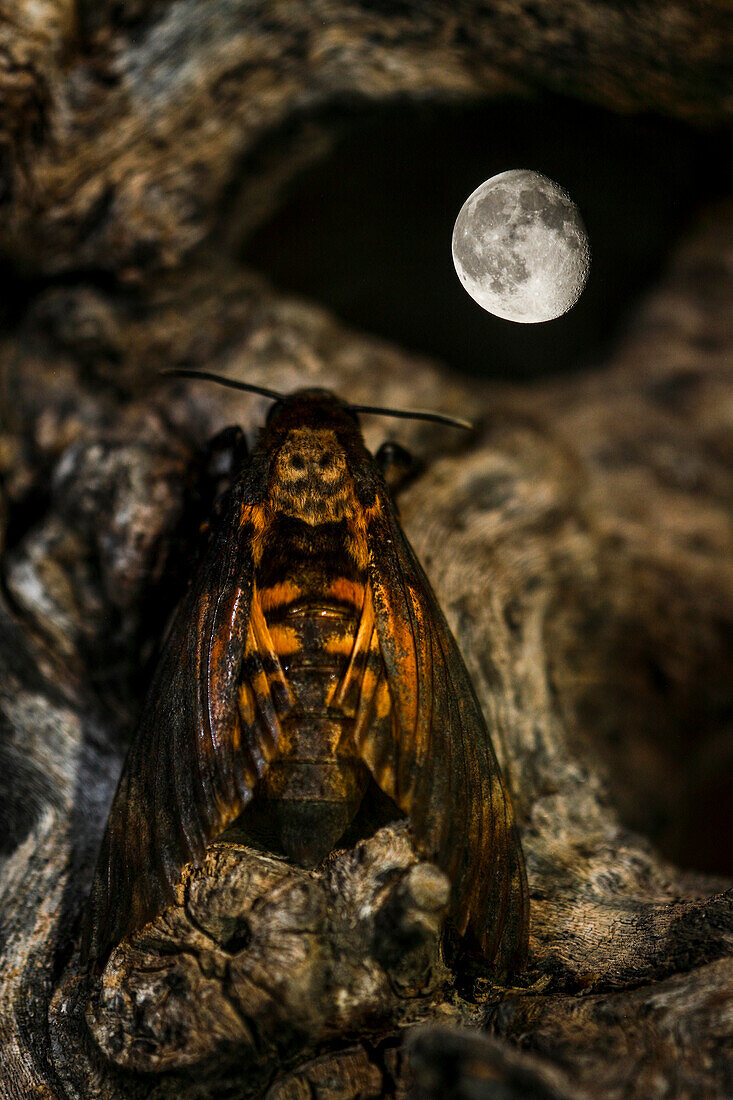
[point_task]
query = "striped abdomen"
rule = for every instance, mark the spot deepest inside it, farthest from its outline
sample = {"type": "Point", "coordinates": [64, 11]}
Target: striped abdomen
{"type": "Point", "coordinates": [316, 781]}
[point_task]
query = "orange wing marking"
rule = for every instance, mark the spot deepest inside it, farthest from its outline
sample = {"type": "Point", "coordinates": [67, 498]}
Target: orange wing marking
{"type": "Point", "coordinates": [348, 693]}
{"type": "Point", "coordinates": [259, 712]}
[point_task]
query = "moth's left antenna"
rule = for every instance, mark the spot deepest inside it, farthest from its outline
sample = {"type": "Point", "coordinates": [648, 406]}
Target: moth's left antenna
{"type": "Point", "coordinates": [248, 387]}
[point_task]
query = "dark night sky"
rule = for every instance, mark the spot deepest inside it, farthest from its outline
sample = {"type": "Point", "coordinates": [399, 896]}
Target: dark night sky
{"type": "Point", "coordinates": [368, 231]}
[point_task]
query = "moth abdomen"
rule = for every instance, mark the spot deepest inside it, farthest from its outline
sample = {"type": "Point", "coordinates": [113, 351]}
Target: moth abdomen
{"type": "Point", "coordinates": [313, 790]}
{"type": "Point", "coordinates": [311, 593]}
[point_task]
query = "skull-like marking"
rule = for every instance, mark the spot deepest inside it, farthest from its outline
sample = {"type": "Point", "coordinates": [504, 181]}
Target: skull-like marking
{"type": "Point", "coordinates": [309, 478]}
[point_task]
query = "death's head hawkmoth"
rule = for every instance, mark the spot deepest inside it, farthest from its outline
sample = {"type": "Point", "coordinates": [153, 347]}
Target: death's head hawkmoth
{"type": "Point", "coordinates": [309, 659]}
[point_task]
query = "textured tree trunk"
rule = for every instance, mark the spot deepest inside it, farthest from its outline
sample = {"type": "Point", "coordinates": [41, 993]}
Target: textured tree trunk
{"type": "Point", "coordinates": [579, 542]}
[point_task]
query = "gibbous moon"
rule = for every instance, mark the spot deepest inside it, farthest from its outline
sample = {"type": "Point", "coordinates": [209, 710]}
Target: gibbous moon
{"type": "Point", "coordinates": [520, 247]}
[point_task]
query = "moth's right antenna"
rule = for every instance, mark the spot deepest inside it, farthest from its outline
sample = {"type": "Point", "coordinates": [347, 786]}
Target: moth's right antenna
{"type": "Point", "coordinates": [416, 414]}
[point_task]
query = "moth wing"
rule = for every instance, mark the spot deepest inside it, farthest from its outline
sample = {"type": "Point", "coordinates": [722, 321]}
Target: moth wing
{"type": "Point", "coordinates": [432, 755]}
{"type": "Point", "coordinates": [193, 762]}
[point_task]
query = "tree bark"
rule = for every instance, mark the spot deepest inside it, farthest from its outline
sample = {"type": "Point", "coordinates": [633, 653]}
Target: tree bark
{"type": "Point", "coordinates": [579, 542]}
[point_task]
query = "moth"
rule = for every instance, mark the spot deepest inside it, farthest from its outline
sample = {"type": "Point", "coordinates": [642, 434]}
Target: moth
{"type": "Point", "coordinates": [309, 660]}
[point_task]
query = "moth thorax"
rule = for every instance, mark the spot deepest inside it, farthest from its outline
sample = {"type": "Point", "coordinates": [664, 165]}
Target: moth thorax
{"type": "Point", "coordinates": [310, 478]}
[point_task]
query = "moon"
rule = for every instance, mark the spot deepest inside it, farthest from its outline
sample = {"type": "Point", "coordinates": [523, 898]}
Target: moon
{"type": "Point", "coordinates": [520, 247]}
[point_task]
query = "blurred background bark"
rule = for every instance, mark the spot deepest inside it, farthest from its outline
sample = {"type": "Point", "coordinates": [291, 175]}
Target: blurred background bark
{"type": "Point", "coordinates": [267, 190]}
